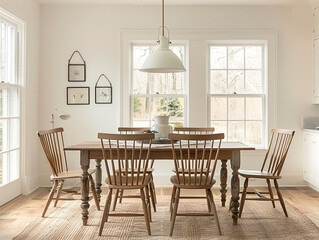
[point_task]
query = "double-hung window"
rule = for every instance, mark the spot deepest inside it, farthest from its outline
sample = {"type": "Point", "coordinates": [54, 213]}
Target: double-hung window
{"type": "Point", "coordinates": [237, 92]}
{"type": "Point", "coordinates": [154, 94]}
{"type": "Point", "coordinates": [9, 102]}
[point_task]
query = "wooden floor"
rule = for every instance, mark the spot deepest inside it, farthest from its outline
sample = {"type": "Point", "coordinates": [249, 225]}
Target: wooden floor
{"type": "Point", "coordinates": [17, 214]}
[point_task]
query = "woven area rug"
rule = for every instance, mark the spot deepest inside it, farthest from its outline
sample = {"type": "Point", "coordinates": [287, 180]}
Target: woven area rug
{"type": "Point", "coordinates": [259, 221]}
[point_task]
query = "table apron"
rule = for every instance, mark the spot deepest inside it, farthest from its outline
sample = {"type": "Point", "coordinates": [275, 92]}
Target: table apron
{"type": "Point", "coordinates": [157, 155]}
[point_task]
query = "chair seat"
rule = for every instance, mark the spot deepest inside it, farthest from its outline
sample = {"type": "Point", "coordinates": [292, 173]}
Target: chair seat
{"type": "Point", "coordinates": [71, 174]}
{"type": "Point", "coordinates": [129, 182]}
{"type": "Point", "coordinates": [148, 170]}
{"type": "Point", "coordinates": [180, 170]}
{"type": "Point", "coordinates": [192, 180]}
{"type": "Point", "coordinates": [257, 174]}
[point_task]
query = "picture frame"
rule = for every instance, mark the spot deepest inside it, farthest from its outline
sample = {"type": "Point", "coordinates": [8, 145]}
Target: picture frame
{"type": "Point", "coordinates": [76, 72]}
{"type": "Point", "coordinates": [103, 93]}
{"type": "Point", "coordinates": [78, 95]}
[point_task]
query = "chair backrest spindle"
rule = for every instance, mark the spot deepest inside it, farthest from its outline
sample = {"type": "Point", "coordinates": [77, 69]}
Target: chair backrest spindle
{"type": "Point", "coordinates": [203, 169]}
{"type": "Point", "coordinates": [53, 146]}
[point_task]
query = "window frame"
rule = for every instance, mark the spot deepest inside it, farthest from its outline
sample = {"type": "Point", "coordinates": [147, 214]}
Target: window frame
{"type": "Point", "coordinates": [153, 95]}
{"type": "Point", "coordinates": [263, 96]}
{"type": "Point", "coordinates": [19, 74]}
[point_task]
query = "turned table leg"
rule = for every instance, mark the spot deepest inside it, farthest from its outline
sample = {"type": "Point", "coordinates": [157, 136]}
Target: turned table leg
{"type": "Point", "coordinates": [98, 178]}
{"type": "Point", "coordinates": [85, 162]}
{"type": "Point", "coordinates": [223, 182]}
{"type": "Point", "coordinates": [235, 164]}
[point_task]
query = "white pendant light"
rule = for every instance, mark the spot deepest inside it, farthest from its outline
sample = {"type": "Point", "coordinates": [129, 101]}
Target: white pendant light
{"type": "Point", "coordinates": [163, 59]}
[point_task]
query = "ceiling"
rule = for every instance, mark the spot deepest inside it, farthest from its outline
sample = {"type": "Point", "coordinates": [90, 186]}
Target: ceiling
{"type": "Point", "coordinates": [179, 2]}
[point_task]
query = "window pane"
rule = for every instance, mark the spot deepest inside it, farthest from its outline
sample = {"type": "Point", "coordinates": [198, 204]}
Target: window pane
{"type": "Point", "coordinates": [3, 135]}
{"type": "Point", "coordinates": [3, 108]}
{"type": "Point", "coordinates": [220, 127]}
{"type": "Point", "coordinates": [176, 109]}
{"type": "Point", "coordinates": [14, 128]}
{"type": "Point", "coordinates": [14, 165]}
{"type": "Point", "coordinates": [254, 108]}
{"type": "Point", "coordinates": [141, 123]}
{"type": "Point", "coordinates": [218, 108]}
{"type": "Point", "coordinates": [253, 57]}
{"type": "Point", "coordinates": [4, 168]}
{"type": "Point", "coordinates": [141, 108]}
{"type": "Point", "coordinates": [235, 57]}
{"type": "Point", "coordinates": [235, 81]}
{"type": "Point", "coordinates": [140, 82]}
{"type": "Point", "coordinates": [158, 82]}
{"type": "Point", "coordinates": [175, 83]}
{"type": "Point", "coordinates": [140, 53]}
{"type": "Point", "coordinates": [254, 132]}
{"type": "Point", "coordinates": [236, 109]}
{"type": "Point", "coordinates": [218, 57]}
{"type": "Point", "coordinates": [236, 131]}
{"type": "Point", "coordinates": [218, 83]}
{"type": "Point", "coordinates": [253, 81]}
{"type": "Point", "coordinates": [176, 124]}
{"type": "Point", "coordinates": [159, 107]}
{"type": "Point", "coordinates": [179, 51]}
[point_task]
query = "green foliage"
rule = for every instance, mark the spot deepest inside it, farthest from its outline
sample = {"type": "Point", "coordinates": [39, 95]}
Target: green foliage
{"type": "Point", "coordinates": [175, 107]}
{"type": "Point", "coordinates": [137, 105]}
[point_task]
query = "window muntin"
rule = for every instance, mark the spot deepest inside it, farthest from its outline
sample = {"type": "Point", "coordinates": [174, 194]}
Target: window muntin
{"type": "Point", "coordinates": [9, 103]}
{"type": "Point", "coordinates": [237, 92]}
{"type": "Point", "coordinates": [156, 93]}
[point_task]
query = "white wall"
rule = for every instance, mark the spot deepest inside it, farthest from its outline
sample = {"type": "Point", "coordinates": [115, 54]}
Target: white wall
{"type": "Point", "coordinates": [94, 30]}
{"type": "Point", "coordinates": [29, 11]}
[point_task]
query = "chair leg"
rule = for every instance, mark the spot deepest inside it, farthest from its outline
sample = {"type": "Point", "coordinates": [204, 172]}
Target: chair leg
{"type": "Point", "coordinates": [243, 197]}
{"type": "Point", "coordinates": [59, 190]}
{"type": "Point", "coordinates": [153, 198]}
{"type": "Point", "coordinates": [172, 200]}
{"type": "Point", "coordinates": [145, 212]}
{"type": "Point", "coordinates": [96, 200]}
{"type": "Point", "coordinates": [148, 203]}
{"type": "Point", "coordinates": [208, 203]}
{"type": "Point", "coordinates": [270, 192]}
{"type": "Point", "coordinates": [281, 199]}
{"type": "Point", "coordinates": [210, 194]}
{"type": "Point", "coordinates": [115, 199]}
{"type": "Point", "coordinates": [174, 211]}
{"type": "Point", "coordinates": [55, 184]}
{"type": "Point", "coordinates": [106, 211]}
{"type": "Point", "coordinates": [121, 195]}
{"type": "Point", "coordinates": [153, 187]}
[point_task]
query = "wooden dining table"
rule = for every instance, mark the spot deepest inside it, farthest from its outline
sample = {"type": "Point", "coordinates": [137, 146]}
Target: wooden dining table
{"type": "Point", "coordinates": [160, 152]}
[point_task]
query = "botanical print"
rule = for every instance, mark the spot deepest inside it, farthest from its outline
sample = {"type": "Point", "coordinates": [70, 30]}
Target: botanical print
{"type": "Point", "coordinates": [76, 73]}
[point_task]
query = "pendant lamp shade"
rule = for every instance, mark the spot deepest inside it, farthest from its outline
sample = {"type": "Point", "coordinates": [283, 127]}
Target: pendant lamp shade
{"type": "Point", "coordinates": [163, 59]}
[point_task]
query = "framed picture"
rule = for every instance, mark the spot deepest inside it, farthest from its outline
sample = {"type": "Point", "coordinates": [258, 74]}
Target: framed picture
{"type": "Point", "coordinates": [78, 95]}
{"type": "Point", "coordinates": [103, 95]}
{"type": "Point", "coordinates": [103, 91]}
{"type": "Point", "coordinates": [77, 73]}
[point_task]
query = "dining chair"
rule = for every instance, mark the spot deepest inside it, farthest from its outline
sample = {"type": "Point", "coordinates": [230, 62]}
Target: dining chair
{"type": "Point", "coordinates": [127, 170]}
{"type": "Point", "coordinates": [199, 175]}
{"type": "Point", "coordinates": [196, 131]}
{"type": "Point", "coordinates": [53, 146]}
{"type": "Point", "coordinates": [119, 194]}
{"type": "Point", "coordinates": [275, 158]}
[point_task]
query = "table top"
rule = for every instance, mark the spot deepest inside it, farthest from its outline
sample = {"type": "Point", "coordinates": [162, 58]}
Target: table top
{"type": "Point", "coordinates": [96, 146]}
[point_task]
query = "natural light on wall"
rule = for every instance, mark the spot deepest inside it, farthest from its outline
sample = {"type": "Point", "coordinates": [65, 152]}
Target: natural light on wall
{"type": "Point", "coordinates": [155, 94]}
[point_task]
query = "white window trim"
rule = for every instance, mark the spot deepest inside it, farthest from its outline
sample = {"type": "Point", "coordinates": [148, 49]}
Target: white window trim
{"type": "Point", "coordinates": [263, 95]}
{"type": "Point", "coordinates": [197, 71]}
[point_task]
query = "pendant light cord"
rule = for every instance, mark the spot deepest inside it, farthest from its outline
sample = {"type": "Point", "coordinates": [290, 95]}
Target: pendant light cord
{"type": "Point", "coordinates": [162, 17]}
